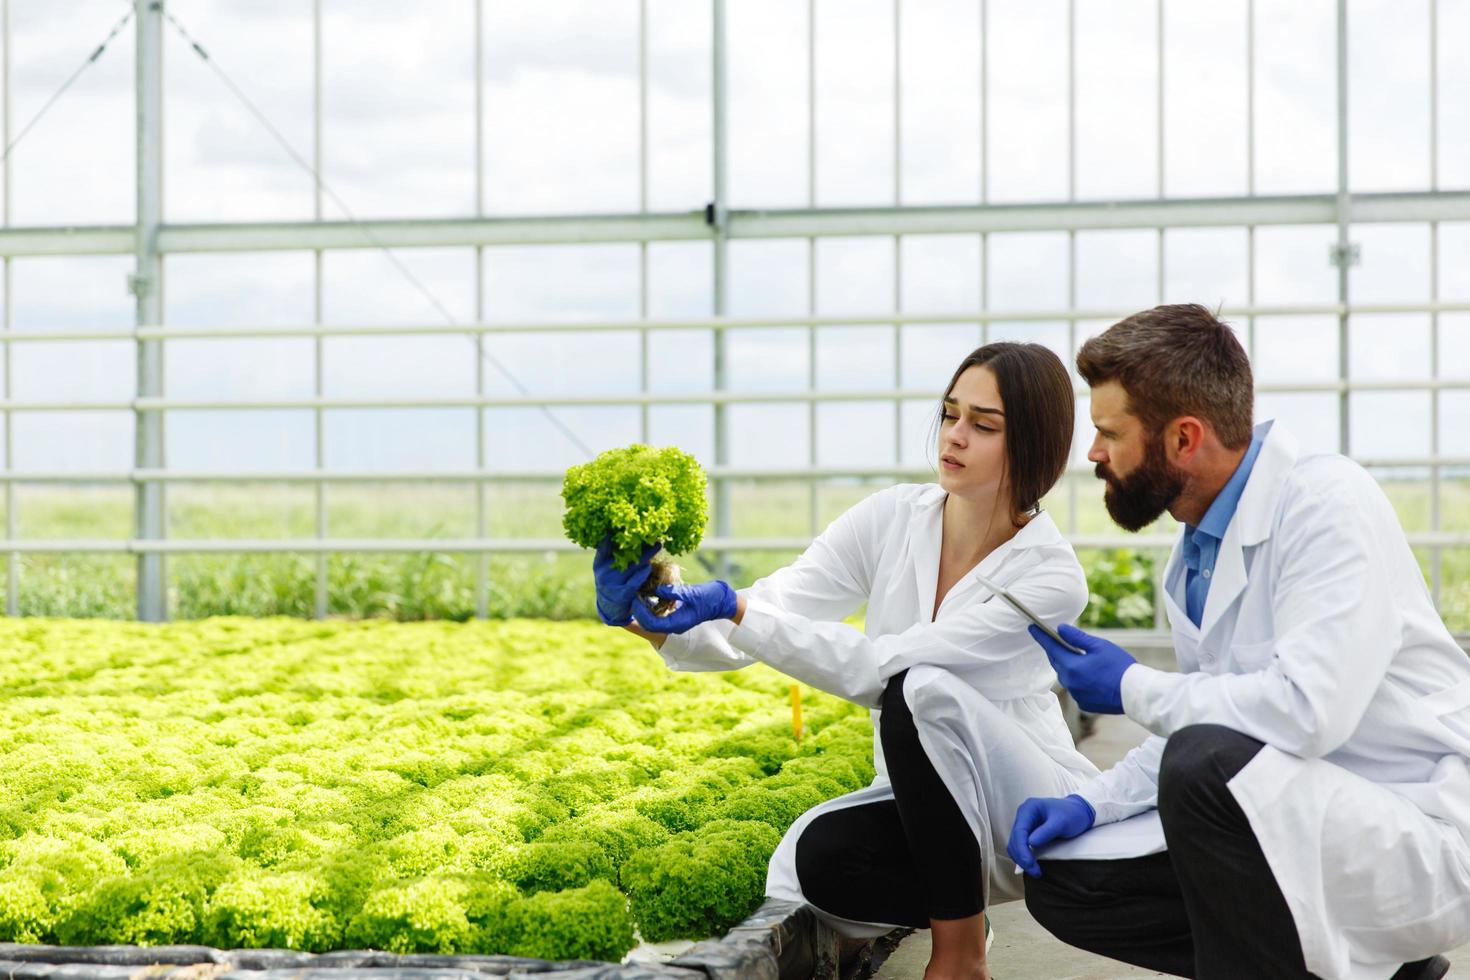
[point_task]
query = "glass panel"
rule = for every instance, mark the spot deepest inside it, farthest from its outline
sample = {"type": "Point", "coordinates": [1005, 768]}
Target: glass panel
{"type": "Point", "coordinates": [767, 67]}
{"type": "Point", "coordinates": [1310, 416]}
{"type": "Point", "coordinates": [399, 439]}
{"type": "Point", "coordinates": [1117, 104]}
{"type": "Point", "coordinates": [220, 163]}
{"type": "Point", "coordinates": [1394, 266]}
{"type": "Point", "coordinates": [941, 102]}
{"type": "Point", "coordinates": [768, 277]}
{"type": "Point", "coordinates": [1454, 261]}
{"type": "Point", "coordinates": [1454, 434]}
{"type": "Point", "coordinates": [77, 166]}
{"type": "Point", "coordinates": [398, 108]}
{"type": "Point", "coordinates": [931, 353]}
{"type": "Point", "coordinates": [767, 359]}
{"type": "Point", "coordinates": [1208, 266]}
{"type": "Point", "coordinates": [242, 440]}
{"type": "Point", "coordinates": [1388, 346]}
{"type": "Point", "coordinates": [1454, 345]}
{"type": "Point", "coordinates": [690, 427]}
{"type": "Point", "coordinates": [854, 275]}
{"type": "Point", "coordinates": [1454, 111]}
{"type": "Point", "coordinates": [940, 273]}
{"type": "Point", "coordinates": [855, 433]}
{"type": "Point", "coordinates": [73, 442]}
{"type": "Point", "coordinates": [1026, 119]}
{"type": "Point", "coordinates": [680, 121]}
{"type": "Point", "coordinates": [1295, 348]}
{"type": "Point", "coordinates": [1389, 423]}
{"type": "Point", "coordinates": [854, 358]}
{"type": "Point", "coordinates": [1117, 270]}
{"type": "Point", "coordinates": [1293, 265]}
{"type": "Point", "coordinates": [854, 102]}
{"type": "Point", "coordinates": [919, 434]}
{"type": "Point", "coordinates": [775, 434]}
{"type": "Point", "coordinates": [516, 439]}
{"type": "Point", "coordinates": [1296, 97]}
{"type": "Point", "coordinates": [241, 510]}
{"type": "Point", "coordinates": [1388, 95]}
{"type": "Point", "coordinates": [1205, 143]}
{"type": "Point", "coordinates": [50, 511]}
{"type": "Point", "coordinates": [1027, 270]}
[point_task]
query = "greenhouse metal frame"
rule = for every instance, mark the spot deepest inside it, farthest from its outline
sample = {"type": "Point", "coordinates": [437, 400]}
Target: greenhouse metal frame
{"type": "Point", "coordinates": [149, 239]}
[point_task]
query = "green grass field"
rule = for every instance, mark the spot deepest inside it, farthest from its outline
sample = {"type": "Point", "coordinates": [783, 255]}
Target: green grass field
{"type": "Point", "coordinates": [550, 586]}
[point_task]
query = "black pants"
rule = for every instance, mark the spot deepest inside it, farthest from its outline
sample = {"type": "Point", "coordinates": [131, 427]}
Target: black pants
{"type": "Point", "coordinates": [1209, 906]}
{"type": "Point", "coordinates": [902, 861]}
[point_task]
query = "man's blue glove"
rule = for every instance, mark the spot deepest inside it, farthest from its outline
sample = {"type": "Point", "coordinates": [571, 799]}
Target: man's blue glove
{"type": "Point", "coordinates": [1094, 678]}
{"type": "Point", "coordinates": [1041, 820]}
{"type": "Point", "coordinates": [697, 604]}
{"type": "Point", "coordinates": [616, 590]}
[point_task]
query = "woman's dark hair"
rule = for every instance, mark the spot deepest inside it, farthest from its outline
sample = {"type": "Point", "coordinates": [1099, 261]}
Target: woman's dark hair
{"type": "Point", "coordinates": [1040, 414]}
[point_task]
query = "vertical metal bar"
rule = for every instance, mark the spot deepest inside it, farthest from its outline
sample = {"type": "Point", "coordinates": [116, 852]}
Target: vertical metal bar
{"type": "Point", "coordinates": [984, 161]}
{"type": "Point", "coordinates": [721, 272]}
{"type": "Point", "coordinates": [897, 239]}
{"type": "Point", "coordinates": [813, 495]}
{"type": "Point", "coordinates": [1344, 201]}
{"type": "Point", "coordinates": [1436, 561]}
{"type": "Point", "coordinates": [643, 208]}
{"type": "Point", "coordinates": [482, 528]}
{"type": "Point", "coordinates": [1072, 233]}
{"type": "Point", "coordinates": [12, 560]}
{"type": "Point", "coordinates": [1159, 92]}
{"type": "Point", "coordinates": [1250, 169]}
{"type": "Point", "coordinates": [148, 510]}
{"type": "Point", "coordinates": [319, 599]}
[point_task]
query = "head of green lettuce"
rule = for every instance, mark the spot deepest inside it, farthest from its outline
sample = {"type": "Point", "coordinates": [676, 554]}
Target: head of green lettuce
{"type": "Point", "coordinates": [636, 496]}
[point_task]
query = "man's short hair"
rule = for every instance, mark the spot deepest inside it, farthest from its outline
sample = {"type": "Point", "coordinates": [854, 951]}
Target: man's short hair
{"type": "Point", "coordinates": [1174, 361]}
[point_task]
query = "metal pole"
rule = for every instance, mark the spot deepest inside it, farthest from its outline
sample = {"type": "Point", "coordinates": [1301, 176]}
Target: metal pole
{"type": "Point", "coordinates": [1436, 561]}
{"type": "Point", "coordinates": [721, 270]}
{"type": "Point", "coordinates": [319, 600]}
{"type": "Point", "coordinates": [482, 560]}
{"type": "Point", "coordinates": [813, 506]}
{"type": "Point", "coordinates": [146, 283]}
{"type": "Point", "coordinates": [12, 560]}
{"type": "Point", "coordinates": [1343, 248]}
{"type": "Point", "coordinates": [643, 209]}
{"type": "Point", "coordinates": [897, 239]}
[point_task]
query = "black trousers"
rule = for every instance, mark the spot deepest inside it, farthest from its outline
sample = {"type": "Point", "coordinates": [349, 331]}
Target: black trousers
{"type": "Point", "coordinates": [902, 861]}
{"type": "Point", "coordinates": [1208, 907]}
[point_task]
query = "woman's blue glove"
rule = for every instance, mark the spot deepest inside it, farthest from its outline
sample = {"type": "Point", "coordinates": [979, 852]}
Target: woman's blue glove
{"type": "Point", "coordinates": [1094, 678]}
{"type": "Point", "coordinates": [616, 590]}
{"type": "Point", "coordinates": [697, 604]}
{"type": "Point", "coordinates": [1041, 820]}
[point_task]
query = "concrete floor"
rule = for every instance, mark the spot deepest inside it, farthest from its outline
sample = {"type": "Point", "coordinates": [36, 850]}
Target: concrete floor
{"type": "Point", "coordinates": [1024, 950]}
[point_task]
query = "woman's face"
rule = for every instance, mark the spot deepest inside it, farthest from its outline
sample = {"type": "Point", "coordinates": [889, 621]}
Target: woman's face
{"type": "Point", "coordinates": [972, 439]}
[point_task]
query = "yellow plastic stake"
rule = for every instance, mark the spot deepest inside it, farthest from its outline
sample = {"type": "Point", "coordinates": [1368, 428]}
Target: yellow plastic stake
{"type": "Point", "coordinates": [796, 711]}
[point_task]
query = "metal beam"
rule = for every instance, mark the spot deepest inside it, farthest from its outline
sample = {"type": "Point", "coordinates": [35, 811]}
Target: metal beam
{"type": "Point", "coordinates": [147, 285]}
{"type": "Point", "coordinates": [794, 223]}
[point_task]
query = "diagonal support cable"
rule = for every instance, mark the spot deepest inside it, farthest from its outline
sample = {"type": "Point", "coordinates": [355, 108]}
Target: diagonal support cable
{"type": "Point", "coordinates": [367, 232]}
{"type": "Point", "coordinates": [91, 60]}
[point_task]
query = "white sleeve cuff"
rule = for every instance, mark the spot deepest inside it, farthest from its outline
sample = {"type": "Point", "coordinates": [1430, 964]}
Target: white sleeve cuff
{"type": "Point", "coordinates": [1141, 690]}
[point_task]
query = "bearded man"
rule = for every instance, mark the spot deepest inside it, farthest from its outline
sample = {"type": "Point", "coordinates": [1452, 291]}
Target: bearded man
{"type": "Point", "coordinates": [1303, 806]}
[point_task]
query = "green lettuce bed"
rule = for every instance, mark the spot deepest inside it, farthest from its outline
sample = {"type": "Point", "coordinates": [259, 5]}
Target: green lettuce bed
{"type": "Point", "coordinates": [522, 787]}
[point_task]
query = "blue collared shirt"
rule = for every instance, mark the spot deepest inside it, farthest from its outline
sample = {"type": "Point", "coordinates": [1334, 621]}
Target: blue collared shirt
{"type": "Point", "coordinates": [1201, 545]}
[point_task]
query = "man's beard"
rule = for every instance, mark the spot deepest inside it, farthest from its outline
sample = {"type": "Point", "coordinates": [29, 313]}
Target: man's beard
{"type": "Point", "coordinates": [1137, 500]}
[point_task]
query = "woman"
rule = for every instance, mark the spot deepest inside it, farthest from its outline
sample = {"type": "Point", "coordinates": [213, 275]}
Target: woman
{"type": "Point", "coordinates": [966, 725]}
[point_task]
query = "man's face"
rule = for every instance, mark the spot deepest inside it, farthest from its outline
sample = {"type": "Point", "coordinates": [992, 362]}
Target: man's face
{"type": "Point", "coordinates": [1141, 482]}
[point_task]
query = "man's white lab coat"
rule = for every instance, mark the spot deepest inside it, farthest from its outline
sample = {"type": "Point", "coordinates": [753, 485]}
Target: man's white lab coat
{"type": "Point", "coordinates": [1319, 638]}
{"type": "Point", "coordinates": [979, 687]}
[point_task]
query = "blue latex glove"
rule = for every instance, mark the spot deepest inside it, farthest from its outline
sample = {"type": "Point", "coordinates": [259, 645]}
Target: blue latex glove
{"type": "Point", "coordinates": [1041, 820]}
{"type": "Point", "coordinates": [697, 604]}
{"type": "Point", "coordinates": [616, 590]}
{"type": "Point", "coordinates": [1094, 678]}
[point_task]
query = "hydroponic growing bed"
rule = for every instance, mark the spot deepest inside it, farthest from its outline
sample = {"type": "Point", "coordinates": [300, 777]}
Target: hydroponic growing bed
{"type": "Point", "coordinates": [522, 788]}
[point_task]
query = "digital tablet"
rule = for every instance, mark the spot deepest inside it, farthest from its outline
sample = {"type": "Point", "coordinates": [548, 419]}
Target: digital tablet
{"type": "Point", "coordinates": [1021, 608]}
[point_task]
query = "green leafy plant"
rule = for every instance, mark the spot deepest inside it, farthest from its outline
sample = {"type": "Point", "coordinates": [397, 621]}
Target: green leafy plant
{"type": "Point", "coordinates": [638, 496]}
{"type": "Point", "coordinates": [482, 787]}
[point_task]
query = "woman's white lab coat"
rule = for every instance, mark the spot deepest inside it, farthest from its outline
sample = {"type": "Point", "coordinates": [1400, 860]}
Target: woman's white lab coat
{"type": "Point", "coordinates": [1319, 638]}
{"type": "Point", "coordinates": [979, 687]}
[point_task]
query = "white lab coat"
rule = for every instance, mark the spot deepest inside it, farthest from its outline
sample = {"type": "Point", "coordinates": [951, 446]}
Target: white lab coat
{"type": "Point", "coordinates": [1319, 638]}
{"type": "Point", "coordinates": [979, 687]}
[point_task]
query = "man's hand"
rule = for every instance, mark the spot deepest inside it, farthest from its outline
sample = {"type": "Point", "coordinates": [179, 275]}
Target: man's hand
{"type": "Point", "coordinates": [1041, 820]}
{"type": "Point", "coordinates": [1094, 678]}
{"type": "Point", "coordinates": [697, 604]}
{"type": "Point", "coordinates": [616, 590]}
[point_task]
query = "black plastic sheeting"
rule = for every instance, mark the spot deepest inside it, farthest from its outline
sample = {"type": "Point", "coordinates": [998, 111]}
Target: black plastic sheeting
{"type": "Point", "coordinates": [781, 941]}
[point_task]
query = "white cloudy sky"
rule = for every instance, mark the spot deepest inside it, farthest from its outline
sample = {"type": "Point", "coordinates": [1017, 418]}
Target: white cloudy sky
{"type": "Point", "coordinates": [561, 136]}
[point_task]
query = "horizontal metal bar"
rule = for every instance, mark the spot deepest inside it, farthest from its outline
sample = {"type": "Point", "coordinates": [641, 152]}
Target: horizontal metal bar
{"type": "Point", "coordinates": [1441, 539]}
{"type": "Point", "coordinates": [918, 474]}
{"type": "Point", "coordinates": [796, 396]}
{"type": "Point", "coordinates": [694, 323]}
{"type": "Point", "coordinates": [794, 223]}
